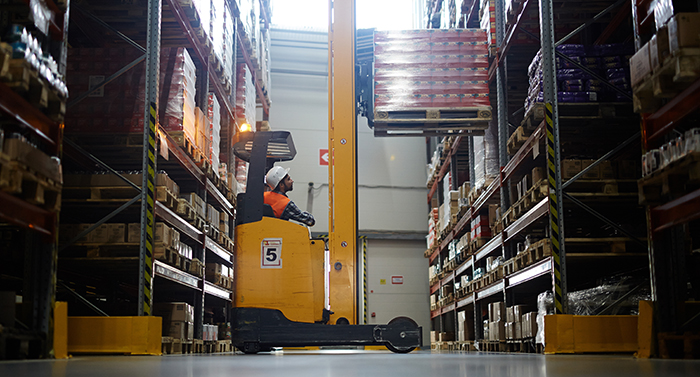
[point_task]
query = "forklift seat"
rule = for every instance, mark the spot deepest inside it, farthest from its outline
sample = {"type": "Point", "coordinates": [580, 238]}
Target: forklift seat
{"type": "Point", "coordinates": [267, 210]}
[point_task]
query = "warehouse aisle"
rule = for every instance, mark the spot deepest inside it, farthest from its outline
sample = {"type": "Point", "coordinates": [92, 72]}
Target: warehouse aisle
{"type": "Point", "coordinates": [353, 363]}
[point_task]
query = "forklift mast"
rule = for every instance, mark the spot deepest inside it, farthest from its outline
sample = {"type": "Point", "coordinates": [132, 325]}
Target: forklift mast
{"type": "Point", "coordinates": [342, 152]}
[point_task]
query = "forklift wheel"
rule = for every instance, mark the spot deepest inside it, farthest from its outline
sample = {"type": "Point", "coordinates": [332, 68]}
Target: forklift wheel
{"type": "Point", "coordinates": [405, 321]}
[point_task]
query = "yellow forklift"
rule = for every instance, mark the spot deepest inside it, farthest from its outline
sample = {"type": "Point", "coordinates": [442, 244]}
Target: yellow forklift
{"type": "Point", "coordinates": [280, 273]}
{"type": "Point", "coordinates": [286, 283]}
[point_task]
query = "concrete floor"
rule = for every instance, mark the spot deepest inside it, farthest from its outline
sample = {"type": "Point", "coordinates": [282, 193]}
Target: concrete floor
{"type": "Point", "coordinates": [351, 363]}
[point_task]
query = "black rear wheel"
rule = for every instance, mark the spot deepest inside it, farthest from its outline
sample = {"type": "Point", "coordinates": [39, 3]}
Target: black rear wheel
{"type": "Point", "coordinates": [408, 324]}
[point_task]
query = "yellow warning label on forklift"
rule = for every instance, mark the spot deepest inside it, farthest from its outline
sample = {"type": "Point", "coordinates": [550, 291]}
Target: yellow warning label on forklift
{"type": "Point", "coordinates": [382, 281]}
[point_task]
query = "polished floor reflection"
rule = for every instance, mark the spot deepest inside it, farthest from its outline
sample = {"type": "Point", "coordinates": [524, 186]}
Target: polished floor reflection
{"type": "Point", "coordinates": [352, 363]}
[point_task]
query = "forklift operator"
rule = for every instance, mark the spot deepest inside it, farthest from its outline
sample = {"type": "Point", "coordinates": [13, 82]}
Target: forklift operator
{"type": "Point", "coordinates": [280, 182]}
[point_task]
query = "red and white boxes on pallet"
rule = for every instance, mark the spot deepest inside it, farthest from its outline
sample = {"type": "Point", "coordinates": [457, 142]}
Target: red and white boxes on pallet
{"type": "Point", "coordinates": [430, 68]}
{"type": "Point", "coordinates": [177, 75]}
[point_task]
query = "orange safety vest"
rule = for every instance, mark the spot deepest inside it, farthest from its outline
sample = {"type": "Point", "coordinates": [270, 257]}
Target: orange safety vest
{"type": "Point", "coordinates": [277, 201]}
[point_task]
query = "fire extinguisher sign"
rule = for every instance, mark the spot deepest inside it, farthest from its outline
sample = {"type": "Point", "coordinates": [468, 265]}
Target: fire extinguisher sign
{"type": "Point", "coordinates": [271, 256]}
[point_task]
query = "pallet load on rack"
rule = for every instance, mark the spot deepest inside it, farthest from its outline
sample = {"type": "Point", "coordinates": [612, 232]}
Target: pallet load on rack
{"type": "Point", "coordinates": [431, 80]}
{"type": "Point", "coordinates": [245, 96]}
{"type": "Point", "coordinates": [487, 21]}
{"type": "Point", "coordinates": [669, 62]}
{"type": "Point", "coordinates": [32, 72]}
{"type": "Point", "coordinates": [577, 86]}
{"type": "Point", "coordinates": [214, 133]}
{"type": "Point", "coordinates": [485, 162]}
{"type": "Point", "coordinates": [178, 325]}
{"type": "Point", "coordinates": [219, 274]}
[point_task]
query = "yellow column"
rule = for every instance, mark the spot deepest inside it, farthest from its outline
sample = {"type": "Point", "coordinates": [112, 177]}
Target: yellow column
{"type": "Point", "coordinates": [342, 171]}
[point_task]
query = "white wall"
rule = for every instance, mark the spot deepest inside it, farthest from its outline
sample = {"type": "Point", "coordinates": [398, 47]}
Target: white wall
{"type": "Point", "coordinates": [391, 173]}
{"type": "Point", "coordinates": [410, 299]}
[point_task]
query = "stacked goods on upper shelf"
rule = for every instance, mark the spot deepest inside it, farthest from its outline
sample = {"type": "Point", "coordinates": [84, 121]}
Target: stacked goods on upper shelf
{"type": "Point", "coordinates": [112, 108]}
{"type": "Point", "coordinates": [178, 77]}
{"type": "Point", "coordinates": [574, 84]}
{"type": "Point", "coordinates": [430, 69]}
{"type": "Point", "coordinates": [29, 172]}
{"type": "Point", "coordinates": [669, 62]}
{"type": "Point", "coordinates": [249, 25]}
{"type": "Point", "coordinates": [245, 95]}
{"type": "Point", "coordinates": [263, 73]}
{"type": "Point", "coordinates": [229, 45]}
{"type": "Point", "coordinates": [487, 21]}
{"type": "Point", "coordinates": [214, 132]}
{"type": "Point", "coordinates": [485, 159]}
{"type": "Point", "coordinates": [24, 52]}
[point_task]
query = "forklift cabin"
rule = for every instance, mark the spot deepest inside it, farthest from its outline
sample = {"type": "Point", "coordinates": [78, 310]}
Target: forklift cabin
{"type": "Point", "coordinates": [279, 272]}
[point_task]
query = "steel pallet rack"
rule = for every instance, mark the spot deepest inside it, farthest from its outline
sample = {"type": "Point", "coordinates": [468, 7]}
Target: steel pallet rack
{"type": "Point", "coordinates": [672, 217]}
{"type": "Point", "coordinates": [31, 227]}
{"type": "Point", "coordinates": [549, 273]}
{"type": "Point", "coordinates": [153, 277]}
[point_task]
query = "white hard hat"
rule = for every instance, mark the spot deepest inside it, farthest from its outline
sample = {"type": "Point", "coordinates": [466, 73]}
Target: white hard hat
{"type": "Point", "coordinates": [275, 175]}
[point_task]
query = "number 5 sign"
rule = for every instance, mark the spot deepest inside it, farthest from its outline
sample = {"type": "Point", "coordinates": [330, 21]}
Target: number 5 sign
{"type": "Point", "coordinates": [271, 256]}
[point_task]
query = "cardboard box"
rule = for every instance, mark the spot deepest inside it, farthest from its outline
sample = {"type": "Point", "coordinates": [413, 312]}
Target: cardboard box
{"type": "Point", "coordinates": [640, 64]}
{"type": "Point", "coordinates": [497, 330]}
{"type": "Point", "coordinates": [683, 31]}
{"type": "Point", "coordinates": [497, 311]}
{"type": "Point", "coordinates": [518, 334]}
{"type": "Point", "coordinates": [174, 311]}
{"type": "Point", "coordinates": [134, 233]}
{"type": "Point", "coordinates": [179, 330]}
{"type": "Point", "coordinates": [529, 325]}
{"type": "Point", "coordinates": [659, 49]}
{"type": "Point", "coordinates": [594, 173]}
{"type": "Point", "coordinates": [162, 234]}
{"type": "Point", "coordinates": [513, 313]}
{"type": "Point", "coordinates": [510, 330]}
{"type": "Point", "coordinates": [570, 168]}
{"type": "Point", "coordinates": [538, 174]}
{"type": "Point", "coordinates": [446, 337]}
{"type": "Point", "coordinates": [606, 170]}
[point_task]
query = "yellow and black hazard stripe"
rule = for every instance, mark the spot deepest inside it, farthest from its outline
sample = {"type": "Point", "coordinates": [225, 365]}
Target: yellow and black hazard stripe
{"type": "Point", "coordinates": [364, 276]}
{"type": "Point", "coordinates": [553, 212]}
{"type": "Point", "coordinates": [150, 211]}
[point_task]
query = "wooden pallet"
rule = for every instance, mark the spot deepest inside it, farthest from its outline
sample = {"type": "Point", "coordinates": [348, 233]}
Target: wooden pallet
{"type": "Point", "coordinates": [19, 179]}
{"type": "Point", "coordinates": [602, 186]}
{"type": "Point", "coordinates": [493, 346]}
{"type": "Point", "coordinates": [198, 222]}
{"type": "Point", "coordinates": [676, 74]}
{"type": "Point", "coordinates": [467, 346]}
{"type": "Point", "coordinates": [679, 346]}
{"type": "Point", "coordinates": [169, 255]}
{"type": "Point", "coordinates": [509, 267]}
{"type": "Point", "coordinates": [186, 210]}
{"type": "Point", "coordinates": [165, 197]}
{"type": "Point", "coordinates": [477, 243]}
{"type": "Point", "coordinates": [197, 346]}
{"type": "Point", "coordinates": [425, 115]}
{"type": "Point", "coordinates": [517, 139]}
{"type": "Point", "coordinates": [673, 180]}
{"type": "Point", "coordinates": [196, 268]}
{"type": "Point", "coordinates": [223, 346]}
{"type": "Point", "coordinates": [220, 280]}
{"type": "Point", "coordinates": [450, 266]}
{"type": "Point", "coordinates": [494, 276]}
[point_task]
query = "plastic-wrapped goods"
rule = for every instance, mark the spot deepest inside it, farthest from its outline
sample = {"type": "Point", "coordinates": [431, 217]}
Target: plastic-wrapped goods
{"type": "Point", "coordinates": [430, 68]}
{"type": "Point", "coordinates": [119, 105]}
{"type": "Point", "coordinates": [203, 8]}
{"type": "Point", "coordinates": [216, 28]}
{"type": "Point", "coordinates": [592, 301]}
{"type": "Point", "coordinates": [178, 78]}
{"type": "Point", "coordinates": [487, 19]}
{"type": "Point", "coordinates": [229, 52]}
{"type": "Point", "coordinates": [214, 132]}
{"type": "Point", "coordinates": [245, 96]}
{"type": "Point", "coordinates": [576, 85]}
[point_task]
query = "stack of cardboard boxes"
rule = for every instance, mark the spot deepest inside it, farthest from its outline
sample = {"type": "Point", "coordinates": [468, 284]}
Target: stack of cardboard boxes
{"type": "Point", "coordinates": [178, 319]}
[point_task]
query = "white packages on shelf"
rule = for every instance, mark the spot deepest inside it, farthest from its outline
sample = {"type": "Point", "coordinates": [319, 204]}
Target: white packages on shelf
{"type": "Point", "coordinates": [229, 46]}
{"type": "Point", "coordinates": [216, 28]}
{"type": "Point", "coordinates": [245, 96]}
{"type": "Point", "coordinates": [214, 116]}
{"type": "Point", "coordinates": [178, 67]}
{"type": "Point", "coordinates": [203, 8]}
{"type": "Point", "coordinates": [486, 156]}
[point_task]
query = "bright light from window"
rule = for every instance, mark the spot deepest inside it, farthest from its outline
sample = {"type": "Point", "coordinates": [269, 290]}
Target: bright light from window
{"type": "Point", "coordinates": [313, 14]}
